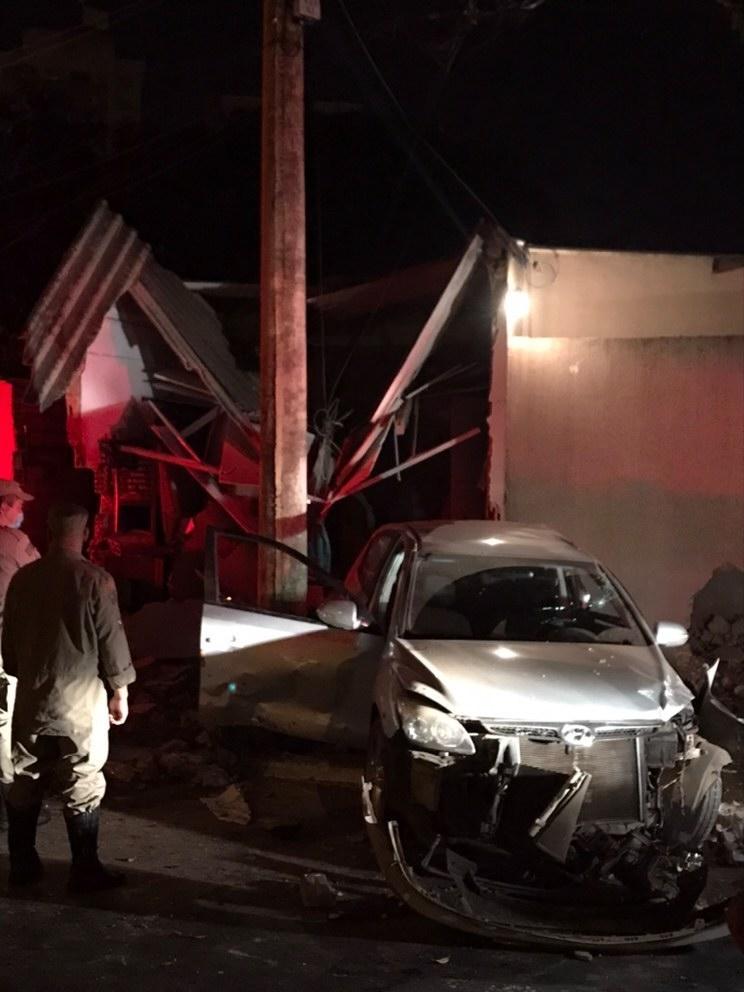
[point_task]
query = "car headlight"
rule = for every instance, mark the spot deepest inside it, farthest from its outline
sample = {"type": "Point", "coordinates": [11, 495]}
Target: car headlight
{"type": "Point", "coordinates": [433, 729]}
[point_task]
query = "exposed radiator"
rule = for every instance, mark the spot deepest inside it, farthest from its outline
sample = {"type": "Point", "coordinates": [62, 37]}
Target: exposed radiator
{"type": "Point", "coordinates": [614, 789]}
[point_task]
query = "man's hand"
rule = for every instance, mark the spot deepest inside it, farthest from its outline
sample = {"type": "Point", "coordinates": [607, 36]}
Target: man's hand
{"type": "Point", "coordinates": [119, 707]}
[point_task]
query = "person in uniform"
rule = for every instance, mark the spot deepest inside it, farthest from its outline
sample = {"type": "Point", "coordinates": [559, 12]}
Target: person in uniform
{"type": "Point", "coordinates": [63, 640]}
{"type": "Point", "coordinates": [15, 551]}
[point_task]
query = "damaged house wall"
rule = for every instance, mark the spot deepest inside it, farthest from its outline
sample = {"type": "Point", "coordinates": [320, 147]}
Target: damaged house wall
{"type": "Point", "coordinates": [625, 412]}
{"type": "Point", "coordinates": [149, 391]}
{"type": "Point", "coordinates": [113, 374]}
{"type": "Point", "coordinates": [157, 402]}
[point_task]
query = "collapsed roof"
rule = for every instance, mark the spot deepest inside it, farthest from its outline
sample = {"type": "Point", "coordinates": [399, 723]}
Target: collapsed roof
{"type": "Point", "coordinates": [106, 262]}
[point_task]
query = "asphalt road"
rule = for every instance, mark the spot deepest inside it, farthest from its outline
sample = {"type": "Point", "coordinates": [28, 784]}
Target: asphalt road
{"type": "Point", "coordinates": [212, 905]}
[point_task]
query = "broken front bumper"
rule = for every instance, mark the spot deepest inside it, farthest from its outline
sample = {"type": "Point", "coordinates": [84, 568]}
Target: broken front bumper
{"type": "Point", "coordinates": [511, 919]}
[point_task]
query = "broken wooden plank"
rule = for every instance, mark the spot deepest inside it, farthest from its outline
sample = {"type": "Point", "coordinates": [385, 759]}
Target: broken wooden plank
{"type": "Point", "coordinates": [191, 464]}
{"type": "Point", "coordinates": [409, 463]}
{"type": "Point", "coordinates": [235, 507]}
{"type": "Point", "coordinates": [200, 422]}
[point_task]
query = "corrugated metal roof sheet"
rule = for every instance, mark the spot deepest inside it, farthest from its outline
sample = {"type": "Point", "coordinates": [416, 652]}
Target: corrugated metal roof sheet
{"type": "Point", "coordinates": [192, 329]}
{"type": "Point", "coordinates": [106, 261]}
{"type": "Point", "coordinates": [99, 267]}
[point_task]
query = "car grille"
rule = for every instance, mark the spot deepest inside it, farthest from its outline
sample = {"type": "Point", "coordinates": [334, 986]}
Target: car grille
{"type": "Point", "coordinates": [605, 732]}
{"type": "Point", "coordinates": [613, 793]}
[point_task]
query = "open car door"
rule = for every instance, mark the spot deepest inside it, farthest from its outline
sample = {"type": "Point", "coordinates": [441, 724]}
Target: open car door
{"type": "Point", "coordinates": [290, 674]}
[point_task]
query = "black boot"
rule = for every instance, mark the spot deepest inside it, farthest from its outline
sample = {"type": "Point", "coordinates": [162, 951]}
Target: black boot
{"type": "Point", "coordinates": [44, 814]}
{"type": "Point", "coordinates": [25, 863]}
{"type": "Point", "coordinates": [87, 874]}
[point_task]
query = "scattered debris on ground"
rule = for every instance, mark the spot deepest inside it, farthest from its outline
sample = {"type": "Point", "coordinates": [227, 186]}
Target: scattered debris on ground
{"type": "Point", "coordinates": [317, 892]}
{"type": "Point", "coordinates": [230, 806]}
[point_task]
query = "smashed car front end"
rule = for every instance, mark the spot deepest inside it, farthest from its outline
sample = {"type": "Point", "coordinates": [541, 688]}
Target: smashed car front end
{"type": "Point", "coordinates": [583, 836]}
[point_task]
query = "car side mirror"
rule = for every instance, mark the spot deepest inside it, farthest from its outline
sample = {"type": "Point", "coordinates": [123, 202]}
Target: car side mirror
{"type": "Point", "coordinates": [670, 635]}
{"type": "Point", "coordinates": [339, 613]}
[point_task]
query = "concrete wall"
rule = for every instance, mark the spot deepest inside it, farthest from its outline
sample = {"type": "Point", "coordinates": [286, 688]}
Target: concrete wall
{"type": "Point", "coordinates": [625, 294]}
{"type": "Point", "coordinates": [635, 450]}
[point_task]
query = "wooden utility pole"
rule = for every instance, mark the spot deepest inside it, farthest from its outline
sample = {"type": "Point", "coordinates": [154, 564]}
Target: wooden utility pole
{"type": "Point", "coordinates": [282, 582]}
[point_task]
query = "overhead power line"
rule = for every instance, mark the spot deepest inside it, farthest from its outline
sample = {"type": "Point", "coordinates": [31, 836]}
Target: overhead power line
{"type": "Point", "coordinates": [406, 122]}
{"type": "Point", "coordinates": [70, 35]}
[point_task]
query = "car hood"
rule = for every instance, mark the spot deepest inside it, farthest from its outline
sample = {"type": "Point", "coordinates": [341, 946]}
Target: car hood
{"type": "Point", "coordinates": [544, 683]}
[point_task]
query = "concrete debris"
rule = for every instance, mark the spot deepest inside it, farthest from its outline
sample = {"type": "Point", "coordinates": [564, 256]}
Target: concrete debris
{"type": "Point", "coordinates": [722, 595]}
{"type": "Point", "coordinates": [198, 761]}
{"type": "Point", "coordinates": [317, 892]}
{"type": "Point", "coordinates": [717, 632]}
{"type": "Point", "coordinates": [204, 766]}
{"type": "Point", "coordinates": [730, 833]}
{"type": "Point", "coordinates": [229, 806]}
{"type": "Point", "coordinates": [583, 955]}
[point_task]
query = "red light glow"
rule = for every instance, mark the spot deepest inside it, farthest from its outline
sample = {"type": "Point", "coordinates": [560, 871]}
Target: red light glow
{"type": "Point", "coordinates": [7, 433]}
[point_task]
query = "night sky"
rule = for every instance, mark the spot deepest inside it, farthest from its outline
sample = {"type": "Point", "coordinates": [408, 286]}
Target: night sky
{"type": "Point", "coordinates": [594, 123]}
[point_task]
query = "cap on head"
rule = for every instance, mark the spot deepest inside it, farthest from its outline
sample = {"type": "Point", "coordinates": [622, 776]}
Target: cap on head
{"type": "Point", "coordinates": [9, 487]}
{"type": "Point", "coordinates": [67, 520]}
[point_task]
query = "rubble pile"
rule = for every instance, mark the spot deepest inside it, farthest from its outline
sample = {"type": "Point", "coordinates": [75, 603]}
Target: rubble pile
{"type": "Point", "coordinates": [717, 632]}
{"type": "Point", "coordinates": [729, 834]}
{"type": "Point", "coordinates": [230, 806]}
{"type": "Point", "coordinates": [195, 760]}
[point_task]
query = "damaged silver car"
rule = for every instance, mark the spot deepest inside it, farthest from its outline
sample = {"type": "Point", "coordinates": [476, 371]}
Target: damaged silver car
{"type": "Point", "coordinates": [534, 768]}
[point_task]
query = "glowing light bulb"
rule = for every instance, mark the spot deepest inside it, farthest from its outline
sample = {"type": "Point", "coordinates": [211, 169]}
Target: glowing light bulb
{"type": "Point", "coordinates": [516, 305]}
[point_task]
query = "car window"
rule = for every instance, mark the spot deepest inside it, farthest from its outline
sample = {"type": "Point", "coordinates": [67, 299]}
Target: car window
{"type": "Point", "coordinates": [368, 570]}
{"type": "Point", "coordinates": [461, 597]}
{"type": "Point", "coordinates": [231, 567]}
{"type": "Point", "coordinates": [386, 589]}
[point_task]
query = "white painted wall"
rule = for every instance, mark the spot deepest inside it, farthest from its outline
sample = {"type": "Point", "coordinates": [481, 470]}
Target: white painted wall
{"type": "Point", "coordinates": [114, 373]}
{"type": "Point", "coordinates": [635, 450]}
{"type": "Point", "coordinates": [629, 294]}
{"type": "Point", "coordinates": [625, 415]}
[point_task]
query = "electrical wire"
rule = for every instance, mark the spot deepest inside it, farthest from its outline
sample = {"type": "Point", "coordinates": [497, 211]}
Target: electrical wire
{"type": "Point", "coordinates": [101, 162]}
{"type": "Point", "coordinates": [404, 119]}
{"type": "Point", "coordinates": [394, 199]}
{"type": "Point", "coordinates": [70, 35]}
{"type": "Point", "coordinates": [36, 226]}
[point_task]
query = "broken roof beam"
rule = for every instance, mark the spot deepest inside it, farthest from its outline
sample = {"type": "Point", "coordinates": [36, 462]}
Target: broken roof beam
{"type": "Point", "coordinates": [190, 464]}
{"type": "Point", "coordinates": [408, 463]}
{"type": "Point", "coordinates": [235, 507]}
{"type": "Point", "coordinates": [370, 445]}
{"type": "Point", "coordinates": [198, 341]}
{"type": "Point", "coordinates": [431, 331]}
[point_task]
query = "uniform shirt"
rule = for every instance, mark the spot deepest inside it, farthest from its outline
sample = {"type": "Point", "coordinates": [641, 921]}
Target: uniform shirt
{"type": "Point", "coordinates": [63, 640]}
{"type": "Point", "coordinates": [15, 551]}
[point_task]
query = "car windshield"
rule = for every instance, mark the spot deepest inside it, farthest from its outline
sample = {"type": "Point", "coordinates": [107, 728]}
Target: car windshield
{"type": "Point", "coordinates": [472, 598]}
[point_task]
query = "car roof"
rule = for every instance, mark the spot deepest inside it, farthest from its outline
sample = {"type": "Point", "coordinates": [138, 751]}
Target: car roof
{"type": "Point", "coordinates": [494, 539]}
